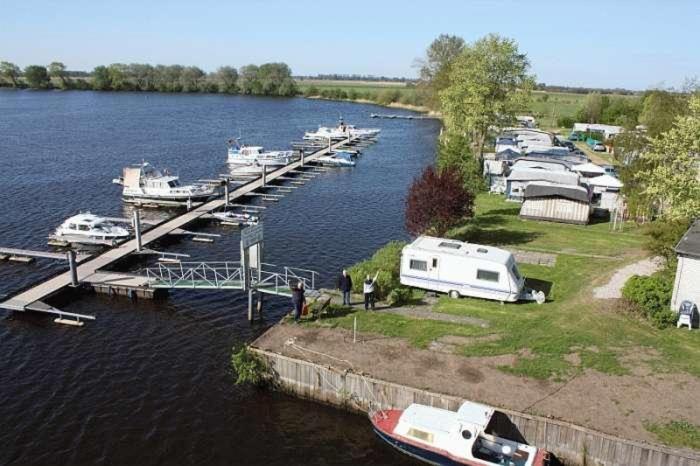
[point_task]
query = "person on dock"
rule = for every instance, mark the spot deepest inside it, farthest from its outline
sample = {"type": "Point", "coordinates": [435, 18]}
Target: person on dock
{"type": "Point", "coordinates": [368, 288]}
{"type": "Point", "coordinates": [345, 285]}
{"type": "Point", "coordinates": [298, 300]}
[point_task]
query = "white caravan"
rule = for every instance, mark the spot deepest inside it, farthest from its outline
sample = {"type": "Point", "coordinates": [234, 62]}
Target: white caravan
{"type": "Point", "coordinates": [464, 269]}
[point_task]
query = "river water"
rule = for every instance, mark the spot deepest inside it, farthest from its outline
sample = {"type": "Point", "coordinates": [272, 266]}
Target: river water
{"type": "Point", "coordinates": [150, 382]}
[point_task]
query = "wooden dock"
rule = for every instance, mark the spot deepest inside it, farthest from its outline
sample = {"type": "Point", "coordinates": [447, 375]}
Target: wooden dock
{"type": "Point", "coordinates": [90, 270]}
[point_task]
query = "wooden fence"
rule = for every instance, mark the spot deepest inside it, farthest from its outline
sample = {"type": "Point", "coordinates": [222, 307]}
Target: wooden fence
{"type": "Point", "coordinates": [569, 442]}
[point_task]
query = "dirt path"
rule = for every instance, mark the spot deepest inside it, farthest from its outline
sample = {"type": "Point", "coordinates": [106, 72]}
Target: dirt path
{"type": "Point", "coordinates": [613, 289]}
{"type": "Point", "coordinates": [617, 405]}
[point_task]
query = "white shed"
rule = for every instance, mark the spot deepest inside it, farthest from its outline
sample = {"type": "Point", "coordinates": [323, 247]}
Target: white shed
{"type": "Point", "coordinates": [687, 284]}
{"type": "Point", "coordinates": [606, 190]}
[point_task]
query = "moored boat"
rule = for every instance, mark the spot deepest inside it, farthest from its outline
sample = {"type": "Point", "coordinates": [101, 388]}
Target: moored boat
{"type": "Point", "coordinates": [86, 228]}
{"type": "Point", "coordinates": [227, 216]}
{"type": "Point", "coordinates": [336, 159]}
{"type": "Point", "coordinates": [342, 131]}
{"type": "Point", "coordinates": [251, 159]}
{"type": "Point", "coordinates": [441, 437]}
{"type": "Point", "coordinates": [145, 185]}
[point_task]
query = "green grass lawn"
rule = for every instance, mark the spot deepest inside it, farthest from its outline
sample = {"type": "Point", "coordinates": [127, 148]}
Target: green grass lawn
{"type": "Point", "coordinates": [544, 336]}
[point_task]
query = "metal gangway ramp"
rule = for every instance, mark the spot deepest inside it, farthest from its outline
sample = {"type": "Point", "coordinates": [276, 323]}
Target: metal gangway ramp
{"type": "Point", "coordinates": [270, 279]}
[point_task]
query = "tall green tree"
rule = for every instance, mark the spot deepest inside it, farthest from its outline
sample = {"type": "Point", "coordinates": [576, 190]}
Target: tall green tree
{"type": "Point", "coordinates": [10, 72]}
{"type": "Point", "coordinates": [435, 67]}
{"type": "Point", "coordinates": [101, 79]}
{"type": "Point", "coordinates": [591, 110]}
{"type": "Point", "coordinates": [489, 85]}
{"type": "Point", "coordinates": [660, 109]}
{"type": "Point", "coordinates": [455, 155]}
{"type": "Point", "coordinates": [191, 78]}
{"type": "Point", "coordinates": [58, 70]}
{"type": "Point", "coordinates": [227, 79]}
{"type": "Point", "coordinates": [248, 80]}
{"type": "Point", "coordinates": [671, 175]}
{"type": "Point", "coordinates": [37, 77]}
{"type": "Point", "coordinates": [143, 76]}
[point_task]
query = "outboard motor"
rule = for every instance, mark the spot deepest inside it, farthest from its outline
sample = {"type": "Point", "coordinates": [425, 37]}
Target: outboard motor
{"type": "Point", "coordinates": [688, 315]}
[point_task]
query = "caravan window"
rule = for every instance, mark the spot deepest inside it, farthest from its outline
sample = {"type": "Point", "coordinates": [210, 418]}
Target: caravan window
{"type": "Point", "coordinates": [516, 272]}
{"type": "Point", "coordinates": [487, 275]}
{"type": "Point", "coordinates": [418, 265]}
{"type": "Point", "coordinates": [435, 262]}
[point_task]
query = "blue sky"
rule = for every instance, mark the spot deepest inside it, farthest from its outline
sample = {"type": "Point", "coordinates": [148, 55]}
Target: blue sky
{"type": "Point", "coordinates": [632, 44]}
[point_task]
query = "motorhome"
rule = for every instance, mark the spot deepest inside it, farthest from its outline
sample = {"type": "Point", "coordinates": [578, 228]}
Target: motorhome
{"type": "Point", "coordinates": [464, 269]}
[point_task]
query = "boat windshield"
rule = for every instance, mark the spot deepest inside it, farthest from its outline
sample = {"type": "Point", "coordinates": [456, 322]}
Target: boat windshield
{"type": "Point", "coordinates": [173, 183]}
{"type": "Point", "coordinates": [499, 451]}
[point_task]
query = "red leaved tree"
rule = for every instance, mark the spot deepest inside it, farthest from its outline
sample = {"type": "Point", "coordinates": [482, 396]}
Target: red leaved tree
{"type": "Point", "coordinates": [436, 202]}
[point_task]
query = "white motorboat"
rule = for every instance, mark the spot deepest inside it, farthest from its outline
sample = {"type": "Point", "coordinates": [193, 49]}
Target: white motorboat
{"type": "Point", "coordinates": [441, 437]}
{"type": "Point", "coordinates": [143, 184]}
{"type": "Point", "coordinates": [251, 159]}
{"type": "Point", "coordinates": [237, 218]}
{"type": "Point", "coordinates": [337, 159]}
{"type": "Point", "coordinates": [342, 131]}
{"type": "Point", "coordinates": [86, 228]}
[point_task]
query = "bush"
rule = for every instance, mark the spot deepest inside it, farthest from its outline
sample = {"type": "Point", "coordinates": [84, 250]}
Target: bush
{"type": "Point", "coordinates": [386, 261]}
{"type": "Point", "coordinates": [651, 297]}
{"type": "Point", "coordinates": [565, 122]}
{"type": "Point", "coordinates": [399, 296]}
{"type": "Point", "coordinates": [249, 367]}
{"type": "Point", "coordinates": [311, 91]}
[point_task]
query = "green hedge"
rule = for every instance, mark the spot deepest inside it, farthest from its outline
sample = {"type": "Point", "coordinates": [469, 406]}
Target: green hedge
{"type": "Point", "coordinates": [386, 261]}
{"type": "Point", "coordinates": [651, 297]}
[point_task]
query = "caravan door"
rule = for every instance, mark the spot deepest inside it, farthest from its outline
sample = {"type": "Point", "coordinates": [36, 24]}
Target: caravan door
{"type": "Point", "coordinates": [434, 267]}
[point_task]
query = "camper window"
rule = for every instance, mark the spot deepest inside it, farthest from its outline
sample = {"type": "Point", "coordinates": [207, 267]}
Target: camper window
{"type": "Point", "coordinates": [487, 275]}
{"type": "Point", "coordinates": [418, 265]}
{"type": "Point", "coordinates": [516, 272]}
{"type": "Point", "coordinates": [435, 262]}
{"type": "Point", "coordinates": [445, 244]}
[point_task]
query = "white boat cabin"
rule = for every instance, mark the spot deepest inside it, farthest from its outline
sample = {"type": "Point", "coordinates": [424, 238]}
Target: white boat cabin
{"type": "Point", "coordinates": [461, 269]}
{"type": "Point", "coordinates": [462, 434]}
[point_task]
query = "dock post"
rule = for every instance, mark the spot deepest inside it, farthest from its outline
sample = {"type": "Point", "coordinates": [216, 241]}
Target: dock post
{"type": "Point", "coordinates": [226, 194]}
{"type": "Point", "coordinates": [264, 175]}
{"type": "Point", "coordinates": [302, 157]}
{"type": "Point", "coordinates": [137, 229]}
{"type": "Point", "coordinates": [73, 269]}
{"type": "Point", "coordinates": [250, 304]}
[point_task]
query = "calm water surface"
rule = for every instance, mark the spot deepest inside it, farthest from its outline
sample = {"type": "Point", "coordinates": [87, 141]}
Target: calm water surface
{"type": "Point", "coordinates": [150, 382]}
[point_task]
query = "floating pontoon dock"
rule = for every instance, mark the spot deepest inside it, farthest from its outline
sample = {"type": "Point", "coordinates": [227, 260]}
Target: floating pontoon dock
{"type": "Point", "coordinates": [91, 270]}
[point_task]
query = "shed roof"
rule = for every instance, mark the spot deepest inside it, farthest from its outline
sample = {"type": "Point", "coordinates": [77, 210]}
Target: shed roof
{"type": "Point", "coordinates": [689, 245]}
{"type": "Point", "coordinates": [606, 181]}
{"type": "Point", "coordinates": [541, 189]}
{"type": "Point", "coordinates": [540, 174]}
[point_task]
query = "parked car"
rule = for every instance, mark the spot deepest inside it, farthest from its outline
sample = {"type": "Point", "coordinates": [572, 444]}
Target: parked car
{"type": "Point", "coordinates": [575, 137]}
{"type": "Point", "coordinates": [599, 147]}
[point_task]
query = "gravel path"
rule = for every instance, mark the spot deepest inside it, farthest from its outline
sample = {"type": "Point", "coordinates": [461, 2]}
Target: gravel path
{"type": "Point", "coordinates": [613, 289]}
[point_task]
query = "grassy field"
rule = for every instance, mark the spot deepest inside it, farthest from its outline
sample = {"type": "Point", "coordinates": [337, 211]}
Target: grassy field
{"type": "Point", "coordinates": [545, 336]}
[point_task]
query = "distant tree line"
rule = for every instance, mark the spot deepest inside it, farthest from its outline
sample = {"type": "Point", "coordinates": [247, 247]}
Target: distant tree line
{"type": "Point", "coordinates": [355, 77]}
{"type": "Point", "coordinates": [272, 79]}
{"type": "Point", "coordinates": [583, 90]}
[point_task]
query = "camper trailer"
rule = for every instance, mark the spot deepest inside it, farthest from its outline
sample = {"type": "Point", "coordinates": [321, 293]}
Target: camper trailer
{"type": "Point", "coordinates": [464, 269]}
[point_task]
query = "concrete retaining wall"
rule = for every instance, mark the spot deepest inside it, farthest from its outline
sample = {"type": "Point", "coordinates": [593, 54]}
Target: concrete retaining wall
{"type": "Point", "coordinates": [567, 441]}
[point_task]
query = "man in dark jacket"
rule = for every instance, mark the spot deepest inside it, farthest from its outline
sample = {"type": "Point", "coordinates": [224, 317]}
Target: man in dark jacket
{"type": "Point", "coordinates": [345, 285]}
{"type": "Point", "coordinates": [298, 300]}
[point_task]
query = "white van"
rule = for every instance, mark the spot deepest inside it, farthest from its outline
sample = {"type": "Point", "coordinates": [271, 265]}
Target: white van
{"type": "Point", "coordinates": [464, 269]}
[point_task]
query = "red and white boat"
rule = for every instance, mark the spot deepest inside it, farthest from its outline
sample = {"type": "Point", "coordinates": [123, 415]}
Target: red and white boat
{"type": "Point", "coordinates": [441, 437]}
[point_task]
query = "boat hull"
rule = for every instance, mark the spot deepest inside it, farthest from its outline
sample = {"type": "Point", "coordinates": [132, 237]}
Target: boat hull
{"type": "Point", "coordinates": [385, 422]}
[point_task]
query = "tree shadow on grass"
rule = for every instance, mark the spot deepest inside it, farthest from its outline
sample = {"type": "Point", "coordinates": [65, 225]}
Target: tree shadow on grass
{"type": "Point", "coordinates": [539, 285]}
{"type": "Point", "coordinates": [498, 236]}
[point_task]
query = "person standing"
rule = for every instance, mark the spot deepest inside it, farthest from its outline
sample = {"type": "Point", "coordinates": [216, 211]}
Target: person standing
{"type": "Point", "coordinates": [298, 300]}
{"type": "Point", "coordinates": [345, 285]}
{"type": "Point", "coordinates": [368, 288]}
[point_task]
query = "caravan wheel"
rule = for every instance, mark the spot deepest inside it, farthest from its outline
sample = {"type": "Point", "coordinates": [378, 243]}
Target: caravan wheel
{"type": "Point", "coordinates": [454, 294]}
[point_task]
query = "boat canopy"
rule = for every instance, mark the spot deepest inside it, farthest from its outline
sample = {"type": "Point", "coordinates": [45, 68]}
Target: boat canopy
{"type": "Point", "coordinates": [475, 413]}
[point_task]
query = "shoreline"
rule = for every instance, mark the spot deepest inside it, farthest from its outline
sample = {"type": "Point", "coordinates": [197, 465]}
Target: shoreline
{"type": "Point", "coordinates": [301, 369]}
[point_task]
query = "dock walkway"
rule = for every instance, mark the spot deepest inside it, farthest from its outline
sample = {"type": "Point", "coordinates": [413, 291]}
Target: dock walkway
{"type": "Point", "coordinates": [87, 270]}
